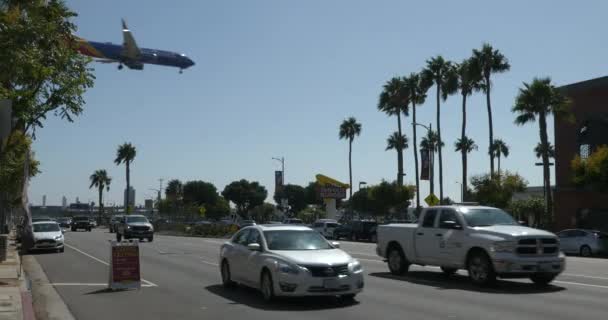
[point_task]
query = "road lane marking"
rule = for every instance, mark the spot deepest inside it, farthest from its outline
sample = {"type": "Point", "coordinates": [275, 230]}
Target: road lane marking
{"type": "Point", "coordinates": [362, 254]}
{"type": "Point", "coordinates": [150, 283]}
{"type": "Point", "coordinates": [583, 276]}
{"type": "Point", "coordinates": [369, 260]}
{"type": "Point", "coordinates": [210, 263]}
{"type": "Point", "coordinates": [66, 284]}
{"type": "Point", "coordinates": [581, 284]}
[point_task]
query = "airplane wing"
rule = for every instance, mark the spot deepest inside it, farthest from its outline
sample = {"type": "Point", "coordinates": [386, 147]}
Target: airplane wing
{"type": "Point", "coordinates": [130, 49]}
{"type": "Point", "coordinates": [106, 60]}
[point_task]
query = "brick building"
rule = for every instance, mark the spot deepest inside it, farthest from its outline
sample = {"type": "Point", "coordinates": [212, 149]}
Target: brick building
{"type": "Point", "coordinates": [581, 207]}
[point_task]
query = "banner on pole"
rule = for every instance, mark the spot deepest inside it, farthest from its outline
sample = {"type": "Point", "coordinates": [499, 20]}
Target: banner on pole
{"type": "Point", "coordinates": [425, 168]}
{"type": "Point", "coordinates": [278, 180]}
{"type": "Point", "coordinates": [124, 265]}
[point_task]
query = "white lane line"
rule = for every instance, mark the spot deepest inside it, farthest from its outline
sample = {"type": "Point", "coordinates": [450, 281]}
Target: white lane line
{"type": "Point", "coordinates": [210, 263]}
{"type": "Point", "coordinates": [583, 276]}
{"type": "Point", "coordinates": [581, 284]}
{"type": "Point", "coordinates": [64, 284]}
{"type": "Point", "coordinates": [362, 254]}
{"type": "Point", "coordinates": [150, 283]}
{"type": "Point", "coordinates": [369, 260]}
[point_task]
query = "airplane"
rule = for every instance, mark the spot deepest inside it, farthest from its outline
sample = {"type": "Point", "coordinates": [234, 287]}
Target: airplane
{"type": "Point", "coordinates": [130, 55]}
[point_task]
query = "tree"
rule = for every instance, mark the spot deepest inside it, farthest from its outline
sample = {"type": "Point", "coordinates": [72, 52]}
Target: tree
{"type": "Point", "coordinates": [199, 193]}
{"type": "Point", "coordinates": [174, 190]}
{"type": "Point", "coordinates": [295, 195]}
{"type": "Point", "coordinates": [100, 180]}
{"type": "Point", "coordinates": [540, 99]}
{"type": "Point", "coordinates": [348, 130]}
{"type": "Point", "coordinates": [361, 201]}
{"type": "Point", "coordinates": [126, 154]}
{"type": "Point", "coordinates": [465, 146]}
{"type": "Point", "coordinates": [489, 61]}
{"type": "Point", "coordinates": [394, 101]}
{"type": "Point", "coordinates": [311, 214]}
{"type": "Point", "coordinates": [448, 201]}
{"type": "Point", "coordinates": [417, 94]}
{"type": "Point", "coordinates": [385, 196]}
{"type": "Point", "coordinates": [218, 210]}
{"type": "Point", "coordinates": [526, 210]}
{"type": "Point", "coordinates": [493, 192]}
{"type": "Point", "coordinates": [539, 150]}
{"type": "Point", "coordinates": [499, 148]}
{"type": "Point", "coordinates": [312, 194]}
{"type": "Point", "coordinates": [442, 74]}
{"type": "Point", "coordinates": [398, 142]}
{"type": "Point", "coordinates": [263, 212]}
{"type": "Point", "coordinates": [593, 171]}
{"type": "Point", "coordinates": [245, 195]}
{"type": "Point", "coordinates": [431, 143]}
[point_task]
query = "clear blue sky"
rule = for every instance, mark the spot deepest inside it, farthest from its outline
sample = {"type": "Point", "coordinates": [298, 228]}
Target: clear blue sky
{"type": "Point", "coordinates": [275, 78]}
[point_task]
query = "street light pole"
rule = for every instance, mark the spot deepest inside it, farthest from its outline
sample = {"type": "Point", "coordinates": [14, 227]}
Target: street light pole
{"type": "Point", "coordinates": [282, 161]}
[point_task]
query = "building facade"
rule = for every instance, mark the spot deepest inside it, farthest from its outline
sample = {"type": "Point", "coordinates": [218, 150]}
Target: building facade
{"type": "Point", "coordinates": [581, 207]}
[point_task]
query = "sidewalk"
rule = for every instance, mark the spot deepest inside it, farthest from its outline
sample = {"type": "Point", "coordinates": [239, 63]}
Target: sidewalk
{"type": "Point", "coordinates": [15, 298]}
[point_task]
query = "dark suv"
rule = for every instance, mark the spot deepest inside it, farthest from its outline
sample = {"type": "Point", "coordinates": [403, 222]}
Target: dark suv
{"type": "Point", "coordinates": [357, 230]}
{"type": "Point", "coordinates": [82, 222]}
{"type": "Point", "coordinates": [134, 226]}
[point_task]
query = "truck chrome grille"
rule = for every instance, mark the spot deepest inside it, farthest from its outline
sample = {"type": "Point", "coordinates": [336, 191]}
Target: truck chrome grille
{"type": "Point", "coordinates": [537, 246]}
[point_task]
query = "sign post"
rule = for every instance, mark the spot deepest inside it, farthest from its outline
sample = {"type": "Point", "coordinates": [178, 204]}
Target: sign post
{"type": "Point", "coordinates": [124, 266]}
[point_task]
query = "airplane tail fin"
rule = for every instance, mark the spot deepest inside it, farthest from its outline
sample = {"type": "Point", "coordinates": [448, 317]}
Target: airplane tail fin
{"type": "Point", "coordinates": [124, 25]}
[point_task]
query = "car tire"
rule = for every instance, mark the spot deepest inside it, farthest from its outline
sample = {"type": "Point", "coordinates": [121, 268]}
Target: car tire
{"type": "Point", "coordinates": [480, 269]}
{"type": "Point", "coordinates": [449, 271]}
{"type": "Point", "coordinates": [62, 249]}
{"type": "Point", "coordinates": [348, 297]}
{"type": "Point", "coordinates": [373, 238]}
{"type": "Point", "coordinates": [586, 251]}
{"type": "Point", "coordinates": [150, 239]}
{"type": "Point", "coordinates": [118, 237]}
{"type": "Point", "coordinates": [336, 236]}
{"type": "Point", "coordinates": [73, 229]}
{"type": "Point", "coordinates": [542, 279]}
{"type": "Point", "coordinates": [266, 286]}
{"type": "Point", "coordinates": [226, 276]}
{"type": "Point", "coordinates": [397, 262]}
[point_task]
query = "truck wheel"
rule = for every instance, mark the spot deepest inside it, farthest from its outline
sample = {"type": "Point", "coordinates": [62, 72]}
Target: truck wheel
{"type": "Point", "coordinates": [118, 237]}
{"type": "Point", "coordinates": [397, 263]}
{"type": "Point", "coordinates": [542, 279]}
{"type": "Point", "coordinates": [73, 229]}
{"type": "Point", "coordinates": [586, 251]}
{"type": "Point", "coordinates": [449, 271]}
{"type": "Point", "coordinates": [480, 269]}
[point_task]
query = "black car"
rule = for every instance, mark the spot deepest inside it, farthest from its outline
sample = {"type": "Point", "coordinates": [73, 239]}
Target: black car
{"type": "Point", "coordinates": [64, 222]}
{"type": "Point", "coordinates": [82, 222]}
{"type": "Point", "coordinates": [357, 230]}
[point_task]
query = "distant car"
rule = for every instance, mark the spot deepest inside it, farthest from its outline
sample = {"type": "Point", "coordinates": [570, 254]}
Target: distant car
{"type": "Point", "coordinates": [357, 230]}
{"type": "Point", "coordinates": [293, 221]}
{"type": "Point", "coordinates": [81, 222]}
{"type": "Point", "coordinates": [325, 227]}
{"type": "Point", "coordinates": [274, 222]}
{"type": "Point", "coordinates": [134, 226]}
{"type": "Point", "coordinates": [93, 223]}
{"type": "Point", "coordinates": [246, 223]}
{"type": "Point", "coordinates": [41, 219]}
{"type": "Point", "coordinates": [113, 221]}
{"type": "Point", "coordinates": [583, 242]}
{"type": "Point", "coordinates": [283, 260]}
{"type": "Point", "coordinates": [47, 236]}
{"type": "Point", "coordinates": [64, 222]}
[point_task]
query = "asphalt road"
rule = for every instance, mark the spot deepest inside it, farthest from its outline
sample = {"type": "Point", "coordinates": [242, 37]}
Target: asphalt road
{"type": "Point", "coordinates": [183, 282]}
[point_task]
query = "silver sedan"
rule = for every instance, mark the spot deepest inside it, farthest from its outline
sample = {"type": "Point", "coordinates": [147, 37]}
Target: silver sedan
{"type": "Point", "coordinates": [282, 260]}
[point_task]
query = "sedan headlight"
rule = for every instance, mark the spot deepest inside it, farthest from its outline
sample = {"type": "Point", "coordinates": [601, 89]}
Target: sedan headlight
{"type": "Point", "coordinates": [355, 266]}
{"type": "Point", "coordinates": [59, 237]}
{"type": "Point", "coordinates": [503, 246]}
{"type": "Point", "coordinates": [283, 267]}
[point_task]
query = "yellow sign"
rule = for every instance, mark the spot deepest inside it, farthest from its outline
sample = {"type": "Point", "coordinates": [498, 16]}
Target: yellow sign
{"type": "Point", "coordinates": [431, 200]}
{"type": "Point", "coordinates": [202, 211]}
{"type": "Point", "coordinates": [327, 181]}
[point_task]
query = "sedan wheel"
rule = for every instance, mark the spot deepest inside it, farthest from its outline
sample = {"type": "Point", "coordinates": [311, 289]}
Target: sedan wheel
{"type": "Point", "coordinates": [267, 287]}
{"type": "Point", "coordinates": [226, 277]}
{"type": "Point", "coordinates": [586, 251]}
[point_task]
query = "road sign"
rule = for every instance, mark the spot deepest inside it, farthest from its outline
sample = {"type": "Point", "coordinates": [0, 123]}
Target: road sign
{"type": "Point", "coordinates": [331, 192]}
{"type": "Point", "coordinates": [124, 266]}
{"type": "Point", "coordinates": [431, 200]}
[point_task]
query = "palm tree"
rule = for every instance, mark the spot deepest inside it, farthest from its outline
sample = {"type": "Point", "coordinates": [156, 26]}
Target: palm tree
{"type": "Point", "coordinates": [417, 94]}
{"type": "Point", "coordinates": [399, 142]}
{"type": "Point", "coordinates": [125, 154]}
{"type": "Point", "coordinates": [100, 180]}
{"type": "Point", "coordinates": [431, 143]}
{"type": "Point", "coordinates": [469, 80]}
{"type": "Point", "coordinates": [348, 130]}
{"type": "Point", "coordinates": [465, 146]}
{"type": "Point", "coordinates": [499, 148]}
{"type": "Point", "coordinates": [394, 101]}
{"type": "Point", "coordinates": [539, 150]}
{"type": "Point", "coordinates": [442, 74]}
{"type": "Point", "coordinates": [537, 100]}
{"type": "Point", "coordinates": [490, 61]}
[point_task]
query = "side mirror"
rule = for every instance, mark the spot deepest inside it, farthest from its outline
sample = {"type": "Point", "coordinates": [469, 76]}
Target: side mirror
{"type": "Point", "coordinates": [335, 244]}
{"type": "Point", "coordinates": [523, 223]}
{"type": "Point", "coordinates": [450, 225]}
{"type": "Point", "coordinates": [254, 247]}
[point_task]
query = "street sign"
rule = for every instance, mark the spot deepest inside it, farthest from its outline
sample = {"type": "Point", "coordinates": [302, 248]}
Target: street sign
{"type": "Point", "coordinates": [124, 265]}
{"type": "Point", "coordinates": [431, 200]}
{"type": "Point", "coordinates": [331, 192]}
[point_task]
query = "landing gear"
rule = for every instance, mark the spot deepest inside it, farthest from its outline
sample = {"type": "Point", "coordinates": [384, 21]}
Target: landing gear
{"type": "Point", "coordinates": [120, 66]}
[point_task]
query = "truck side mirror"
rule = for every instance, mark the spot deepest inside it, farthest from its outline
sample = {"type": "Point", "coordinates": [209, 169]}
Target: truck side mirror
{"type": "Point", "coordinates": [450, 224]}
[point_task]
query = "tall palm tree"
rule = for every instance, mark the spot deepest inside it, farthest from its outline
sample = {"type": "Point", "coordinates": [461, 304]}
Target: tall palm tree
{"type": "Point", "coordinates": [539, 150]}
{"type": "Point", "coordinates": [174, 190]}
{"type": "Point", "coordinates": [442, 74]}
{"type": "Point", "coordinates": [490, 61]}
{"type": "Point", "coordinates": [537, 100]}
{"type": "Point", "coordinates": [431, 143]}
{"type": "Point", "coordinates": [465, 146]}
{"type": "Point", "coordinates": [469, 80]}
{"type": "Point", "coordinates": [100, 180]}
{"type": "Point", "coordinates": [394, 101]}
{"type": "Point", "coordinates": [348, 130]}
{"type": "Point", "coordinates": [125, 154]}
{"type": "Point", "coordinates": [399, 142]}
{"type": "Point", "coordinates": [499, 148]}
{"type": "Point", "coordinates": [417, 94]}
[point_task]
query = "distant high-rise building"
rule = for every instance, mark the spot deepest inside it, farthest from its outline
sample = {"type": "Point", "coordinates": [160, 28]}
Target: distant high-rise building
{"type": "Point", "coordinates": [131, 198]}
{"type": "Point", "coordinates": [77, 200]}
{"type": "Point", "coordinates": [64, 202]}
{"type": "Point", "coordinates": [44, 200]}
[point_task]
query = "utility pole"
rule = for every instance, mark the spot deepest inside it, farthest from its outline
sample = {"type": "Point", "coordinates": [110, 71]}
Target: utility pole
{"type": "Point", "coordinates": [160, 189]}
{"type": "Point", "coordinates": [282, 161]}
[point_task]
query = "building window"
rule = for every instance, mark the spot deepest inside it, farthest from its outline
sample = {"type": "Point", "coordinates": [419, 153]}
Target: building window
{"type": "Point", "coordinates": [585, 151]}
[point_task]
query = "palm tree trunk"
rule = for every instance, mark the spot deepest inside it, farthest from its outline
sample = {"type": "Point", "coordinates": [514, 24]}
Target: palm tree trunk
{"type": "Point", "coordinates": [100, 203]}
{"type": "Point", "coordinates": [439, 146]}
{"type": "Point", "coordinates": [127, 195]}
{"type": "Point", "coordinates": [399, 155]}
{"type": "Point", "coordinates": [498, 159]}
{"type": "Point", "coordinates": [463, 135]}
{"type": "Point", "coordinates": [350, 167]}
{"type": "Point", "coordinates": [432, 171]}
{"type": "Point", "coordinates": [546, 172]}
{"type": "Point", "coordinates": [416, 156]}
{"type": "Point", "coordinates": [491, 135]}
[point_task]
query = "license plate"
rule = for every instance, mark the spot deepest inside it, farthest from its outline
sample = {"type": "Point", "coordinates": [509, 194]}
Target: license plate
{"type": "Point", "coordinates": [545, 266]}
{"type": "Point", "coordinates": [331, 284]}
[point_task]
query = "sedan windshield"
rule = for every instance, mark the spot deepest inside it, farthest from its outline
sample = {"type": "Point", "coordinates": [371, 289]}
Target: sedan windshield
{"type": "Point", "coordinates": [46, 227]}
{"type": "Point", "coordinates": [295, 240]}
{"type": "Point", "coordinates": [137, 219]}
{"type": "Point", "coordinates": [483, 217]}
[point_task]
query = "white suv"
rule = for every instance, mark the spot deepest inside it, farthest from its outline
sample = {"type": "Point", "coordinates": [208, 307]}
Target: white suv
{"type": "Point", "coordinates": [325, 227]}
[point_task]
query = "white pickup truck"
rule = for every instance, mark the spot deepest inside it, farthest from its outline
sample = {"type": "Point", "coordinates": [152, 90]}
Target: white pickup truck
{"type": "Point", "coordinates": [487, 242]}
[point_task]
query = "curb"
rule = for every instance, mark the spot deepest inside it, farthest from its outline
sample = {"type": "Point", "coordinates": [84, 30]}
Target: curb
{"type": "Point", "coordinates": [46, 301]}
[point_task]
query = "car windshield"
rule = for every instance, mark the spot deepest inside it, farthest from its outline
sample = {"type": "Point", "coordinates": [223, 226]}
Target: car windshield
{"type": "Point", "coordinates": [484, 217]}
{"type": "Point", "coordinates": [295, 240]}
{"type": "Point", "coordinates": [137, 219]}
{"type": "Point", "coordinates": [46, 227]}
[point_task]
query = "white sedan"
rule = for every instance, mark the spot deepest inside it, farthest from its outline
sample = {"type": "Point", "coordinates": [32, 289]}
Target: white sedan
{"type": "Point", "coordinates": [47, 236]}
{"type": "Point", "coordinates": [282, 260]}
